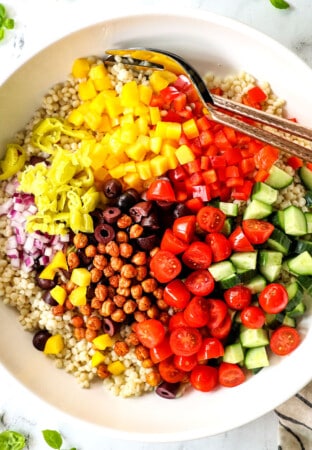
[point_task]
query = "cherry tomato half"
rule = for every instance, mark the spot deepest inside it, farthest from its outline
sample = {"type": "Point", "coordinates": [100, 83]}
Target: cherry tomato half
{"type": "Point", "coordinates": [169, 372]}
{"type": "Point", "coordinates": [210, 218]}
{"type": "Point", "coordinates": [196, 313]}
{"type": "Point", "coordinates": [231, 375]}
{"type": "Point", "coordinates": [252, 317]}
{"type": "Point", "coordinates": [165, 266]}
{"type": "Point", "coordinates": [274, 298]}
{"type": "Point", "coordinates": [161, 189]}
{"type": "Point", "coordinates": [239, 241]}
{"type": "Point", "coordinates": [198, 255]}
{"type": "Point", "coordinates": [150, 332]}
{"type": "Point", "coordinates": [200, 282]}
{"type": "Point", "coordinates": [177, 321]}
{"type": "Point", "coordinates": [222, 330]}
{"type": "Point", "coordinates": [257, 231]}
{"type": "Point", "coordinates": [184, 228]}
{"type": "Point", "coordinates": [237, 297]}
{"type": "Point", "coordinates": [217, 312]}
{"type": "Point", "coordinates": [220, 246]}
{"type": "Point", "coordinates": [185, 363]}
{"type": "Point", "coordinates": [204, 378]}
{"type": "Point", "coordinates": [176, 294]}
{"type": "Point", "coordinates": [284, 340]}
{"type": "Point", "coordinates": [185, 341]}
{"type": "Point", "coordinates": [211, 348]}
{"type": "Point", "coordinates": [171, 243]}
{"type": "Point", "coordinates": [161, 351]}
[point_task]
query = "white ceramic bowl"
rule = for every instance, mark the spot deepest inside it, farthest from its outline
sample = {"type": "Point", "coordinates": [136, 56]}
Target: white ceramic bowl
{"type": "Point", "coordinates": [210, 43]}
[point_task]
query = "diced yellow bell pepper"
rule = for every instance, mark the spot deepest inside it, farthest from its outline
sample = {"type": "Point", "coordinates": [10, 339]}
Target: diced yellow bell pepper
{"type": "Point", "coordinates": [100, 174]}
{"type": "Point", "coordinates": [80, 68]}
{"type": "Point", "coordinates": [142, 125]}
{"type": "Point", "coordinates": [98, 103]}
{"type": "Point", "coordinates": [102, 84]}
{"type": "Point", "coordinates": [168, 130]}
{"type": "Point", "coordinates": [130, 166]}
{"type": "Point", "coordinates": [159, 165]}
{"type": "Point", "coordinates": [81, 276]}
{"type": "Point", "coordinates": [116, 368]}
{"type": "Point", "coordinates": [102, 341]}
{"type": "Point", "coordinates": [155, 116]}
{"type": "Point", "coordinates": [190, 129]}
{"type": "Point", "coordinates": [54, 345]}
{"type": "Point", "coordinates": [78, 296]}
{"type": "Point", "coordinates": [86, 90]}
{"type": "Point", "coordinates": [118, 171]}
{"type": "Point", "coordinates": [155, 144]}
{"type": "Point", "coordinates": [105, 124]}
{"type": "Point", "coordinates": [97, 71]}
{"type": "Point", "coordinates": [58, 262]}
{"type": "Point", "coordinates": [145, 93]}
{"type": "Point", "coordinates": [133, 180]}
{"type": "Point", "coordinates": [144, 170]}
{"type": "Point", "coordinates": [92, 119]}
{"type": "Point", "coordinates": [59, 294]}
{"type": "Point", "coordinates": [111, 162]}
{"type": "Point", "coordinates": [129, 95]}
{"type": "Point", "coordinates": [76, 117]}
{"type": "Point", "coordinates": [113, 107]}
{"type": "Point", "coordinates": [129, 133]}
{"type": "Point", "coordinates": [127, 119]}
{"type": "Point", "coordinates": [136, 151]}
{"type": "Point", "coordinates": [184, 154]}
{"type": "Point", "coordinates": [169, 151]}
{"type": "Point", "coordinates": [97, 358]}
{"type": "Point", "coordinates": [160, 79]}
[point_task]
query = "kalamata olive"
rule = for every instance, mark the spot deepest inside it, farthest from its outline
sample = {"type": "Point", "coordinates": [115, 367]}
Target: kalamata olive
{"type": "Point", "coordinates": [109, 327]}
{"type": "Point", "coordinates": [112, 188]}
{"type": "Point", "coordinates": [151, 221]}
{"type": "Point", "coordinates": [35, 159]}
{"type": "Point", "coordinates": [111, 214]}
{"type": "Point", "coordinates": [165, 206]}
{"type": "Point", "coordinates": [180, 210]}
{"type": "Point", "coordinates": [104, 233]}
{"type": "Point", "coordinates": [168, 390]}
{"type": "Point", "coordinates": [84, 259]}
{"type": "Point", "coordinates": [147, 242]}
{"type": "Point", "coordinates": [44, 283]}
{"type": "Point", "coordinates": [40, 338]}
{"type": "Point", "coordinates": [127, 199]}
{"type": "Point", "coordinates": [47, 297]}
{"type": "Point", "coordinates": [140, 210]}
{"type": "Point", "coordinates": [97, 216]}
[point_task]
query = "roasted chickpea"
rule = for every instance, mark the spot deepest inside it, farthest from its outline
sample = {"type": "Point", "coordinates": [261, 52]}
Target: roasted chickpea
{"type": "Point", "coordinates": [90, 251]}
{"type": "Point", "coordinates": [141, 273]}
{"type": "Point", "coordinates": [80, 240]}
{"type": "Point", "coordinates": [96, 303]}
{"type": "Point", "coordinates": [116, 263]}
{"type": "Point", "coordinates": [94, 323]}
{"type": "Point", "coordinates": [141, 352]}
{"type": "Point", "coordinates": [121, 348]}
{"type": "Point", "coordinates": [123, 291]}
{"type": "Point", "coordinates": [149, 285]}
{"type": "Point", "coordinates": [100, 262]}
{"type": "Point", "coordinates": [90, 334]}
{"type": "Point", "coordinates": [101, 292]}
{"type": "Point", "coordinates": [139, 259]}
{"type": "Point", "coordinates": [112, 248]}
{"type": "Point", "coordinates": [130, 306]}
{"type": "Point", "coordinates": [118, 315]}
{"type": "Point", "coordinates": [85, 310]}
{"type": "Point", "coordinates": [124, 282]}
{"type": "Point", "coordinates": [79, 333]}
{"type": "Point", "coordinates": [124, 221]}
{"type": "Point", "coordinates": [119, 300]}
{"type": "Point", "coordinates": [102, 371]}
{"type": "Point", "coordinates": [125, 250]}
{"type": "Point", "coordinates": [122, 236]}
{"type": "Point", "coordinates": [153, 378]}
{"type": "Point", "coordinates": [108, 271]}
{"type": "Point", "coordinates": [153, 312]}
{"type": "Point", "coordinates": [135, 231]}
{"type": "Point", "coordinates": [139, 316]}
{"type": "Point", "coordinates": [132, 339]}
{"type": "Point", "coordinates": [101, 248]}
{"type": "Point", "coordinates": [96, 275]}
{"type": "Point", "coordinates": [114, 280]}
{"type": "Point", "coordinates": [77, 321]}
{"type": "Point", "coordinates": [73, 260]}
{"type": "Point", "coordinates": [162, 304]}
{"type": "Point", "coordinates": [128, 271]}
{"type": "Point", "coordinates": [147, 363]}
{"type": "Point", "coordinates": [58, 310]}
{"type": "Point", "coordinates": [144, 303]}
{"type": "Point", "coordinates": [136, 291]}
{"type": "Point", "coordinates": [107, 308]}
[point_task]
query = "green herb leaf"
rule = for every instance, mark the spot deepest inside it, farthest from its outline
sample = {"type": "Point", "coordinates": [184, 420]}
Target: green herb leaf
{"type": "Point", "coordinates": [11, 440]}
{"type": "Point", "coordinates": [2, 10]}
{"type": "Point", "coordinates": [280, 4]}
{"type": "Point", "coordinates": [9, 23]}
{"type": "Point", "coordinates": [2, 33]}
{"type": "Point", "coordinates": [53, 438]}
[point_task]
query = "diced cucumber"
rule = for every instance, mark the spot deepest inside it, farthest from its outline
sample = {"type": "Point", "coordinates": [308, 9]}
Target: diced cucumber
{"type": "Point", "coordinates": [308, 198]}
{"type": "Point", "coordinates": [301, 264]}
{"type": "Point", "coordinates": [305, 282]}
{"type": "Point", "coordinates": [297, 311]}
{"type": "Point", "coordinates": [246, 276]}
{"type": "Point", "coordinates": [303, 246]}
{"type": "Point", "coordinates": [253, 337]}
{"type": "Point", "coordinates": [279, 241]}
{"type": "Point", "coordinates": [221, 270]}
{"type": "Point", "coordinates": [257, 210]}
{"type": "Point", "coordinates": [289, 321]}
{"type": "Point", "coordinates": [278, 178]}
{"type": "Point", "coordinates": [295, 223]}
{"type": "Point", "coordinates": [229, 209]}
{"type": "Point", "coordinates": [264, 193]}
{"type": "Point", "coordinates": [257, 284]}
{"type": "Point", "coordinates": [306, 177]}
{"type": "Point", "coordinates": [270, 257]}
{"type": "Point", "coordinates": [233, 353]}
{"type": "Point", "coordinates": [244, 260]}
{"type": "Point", "coordinates": [295, 293]}
{"type": "Point", "coordinates": [256, 358]}
{"type": "Point", "coordinates": [228, 226]}
{"type": "Point", "coordinates": [278, 220]}
{"type": "Point", "coordinates": [271, 273]}
{"type": "Point", "coordinates": [308, 217]}
{"type": "Point", "coordinates": [230, 281]}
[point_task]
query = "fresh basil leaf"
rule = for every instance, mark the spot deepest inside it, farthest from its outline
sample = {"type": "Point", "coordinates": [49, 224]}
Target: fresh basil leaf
{"type": "Point", "coordinates": [280, 4]}
{"type": "Point", "coordinates": [11, 440]}
{"type": "Point", "coordinates": [53, 439]}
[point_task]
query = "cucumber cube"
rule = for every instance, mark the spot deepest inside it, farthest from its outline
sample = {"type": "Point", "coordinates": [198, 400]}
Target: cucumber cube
{"type": "Point", "coordinates": [256, 358]}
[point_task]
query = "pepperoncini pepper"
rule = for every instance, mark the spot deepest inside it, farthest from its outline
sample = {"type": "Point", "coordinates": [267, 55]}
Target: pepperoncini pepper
{"type": "Point", "coordinates": [13, 161]}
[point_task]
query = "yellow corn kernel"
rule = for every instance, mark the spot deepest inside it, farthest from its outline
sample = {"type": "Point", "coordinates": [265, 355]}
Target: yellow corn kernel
{"type": "Point", "coordinates": [78, 296]}
{"type": "Point", "coordinates": [102, 341]}
{"type": "Point", "coordinates": [58, 262]}
{"type": "Point", "coordinates": [145, 93]}
{"type": "Point", "coordinates": [97, 358]}
{"type": "Point", "coordinates": [113, 107]}
{"type": "Point", "coordinates": [144, 170]}
{"type": "Point", "coordinates": [118, 171]}
{"type": "Point", "coordinates": [155, 116]}
{"type": "Point", "coordinates": [159, 165]}
{"type": "Point", "coordinates": [168, 130]}
{"type": "Point", "coordinates": [129, 96]}
{"type": "Point", "coordinates": [59, 294]}
{"type": "Point", "coordinates": [190, 129]}
{"type": "Point", "coordinates": [116, 368]}
{"type": "Point", "coordinates": [81, 276]}
{"type": "Point", "coordinates": [92, 120]}
{"type": "Point", "coordinates": [160, 79]}
{"type": "Point", "coordinates": [86, 90]}
{"type": "Point", "coordinates": [184, 154]}
{"type": "Point", "coordinates": [133, 180]}
{"type": "Point", "coordinates": [76, 117]}
{"type": "Point", "coordinates": [54, 345]}
{"type": "Point", "coordinates": [155, 144]}
{"type": "Point", "coordinates": [80, 68]}
{"type": "Point", "coordinates": [128, 133]}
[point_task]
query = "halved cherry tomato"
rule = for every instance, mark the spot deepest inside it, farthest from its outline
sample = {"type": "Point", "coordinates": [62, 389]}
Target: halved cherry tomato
{"type": "Point", "coordinates": [252, 317]}
{"type": "Point", "coordinates": [169, 372]}
{"type": "Point", "coordinates": [200, 282]}
{"type": "Point", "coordinates": [165, 266]}
{"type": "Point", "coordinates": [185, 363]}
{"type": "Point", "coordinates": [274, 298]}
{"type": "Point", "coordinates": [185, 341]}
{"type": "Point", "coordinates": [217, 312]}
{"type": "Point", "coordinates": [220, 246]}
{"type": "Point", "coordinates": [196, 313]}
{"type": "Point", "coordinates": [161, 351]}
{"type": "Point", "coordinates": [210, 218]}
{"type": "Point", "coordinates": [257, 231]}
{"type": "Point", "coordinates": [198, 255]}
{"type": "Point", "coordinates": [171, 243]}
{"type": "Point", "coordinates": [239, 241]}
{"type": "Point", "coordinates": [284, 340]}
{"type": "Point", "coordinates": [237, 297]}
{"type": "Point", "coordinates": [161, 189]}
{"type": "Point", "coordinates": [204, 378]}
{"type": "Point", "coordinates": [223, 330]}
{"type": "Point", "coordinates": [211, 348]}
{"type": "Point", "coordinates": [231, 375]}
{"type": "Point", "coordinates": [176, 294]}
{"type": "Point", "coordinates": [150, 332]}
{"type": "Point", "coordinates": [184, 228]}
{"type": "Point", "coordinates": [177, 321]}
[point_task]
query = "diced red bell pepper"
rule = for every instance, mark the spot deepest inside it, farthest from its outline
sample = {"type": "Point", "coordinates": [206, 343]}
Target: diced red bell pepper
{"type": "Point", "coordinates": [194, 204]}
{"type": "Point", "coordinates": [202, 192]}
{"type": "Point", "coordinates": [295, 162]}
{"type": "Point", "coordinates": [256, 95]}
{"type": "Point", "coordinates": [232, 172]}
{"type": "Point", "coordinates": [266, 157]}
{"type": "Point", "coordinates": [205, 162]}
{"type": "Point", "coordinates": [161, 189]}
{"type": "Point", "coordinates": [203, 123]}
{"type": "Point", "coordinates": [217, 161]}
{"type": "Point", "coordinates": [232, 156]}
{"type": "Point", "coordinates": [209, 176]}
{"type": "Point", "coordinates": [177, 174]}
{"type": "Point", "coordinates": [221, 141]}
{"type": "Point", "coordinates": [193, 166]}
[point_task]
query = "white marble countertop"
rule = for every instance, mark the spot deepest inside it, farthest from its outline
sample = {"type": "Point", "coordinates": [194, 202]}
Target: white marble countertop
{"type": "Point", "coordinates": [37, 24]}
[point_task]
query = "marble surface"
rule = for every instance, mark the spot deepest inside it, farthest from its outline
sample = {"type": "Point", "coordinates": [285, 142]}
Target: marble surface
{"type": "Point", "coordinates": [40, 22]}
